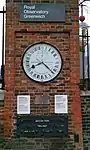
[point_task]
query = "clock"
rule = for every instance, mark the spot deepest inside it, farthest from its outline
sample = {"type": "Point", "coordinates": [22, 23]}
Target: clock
{"type": "Point", "coordinates": [42, 62]}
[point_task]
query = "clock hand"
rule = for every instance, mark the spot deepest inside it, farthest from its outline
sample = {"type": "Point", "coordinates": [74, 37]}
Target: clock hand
{"type": "Point", "coordinates": [47, 67]}
{"type": "Point", "coordinates": [39, 60]}
{"type": "Point", "coordinates": [33, 66]}
{"type": "Point", "coordinates": [38, 64]}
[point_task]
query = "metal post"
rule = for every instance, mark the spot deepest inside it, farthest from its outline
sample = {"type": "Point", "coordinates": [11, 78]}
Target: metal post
{"type": "Point", "coordinates": [83, 50]}
{"type": "Point", "coordinates": [88, 58]}
{"type": "Point", "coordinates": [2, 66]}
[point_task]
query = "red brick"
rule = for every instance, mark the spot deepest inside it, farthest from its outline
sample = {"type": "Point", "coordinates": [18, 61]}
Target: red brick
{"type": "Point", "coordinates": [16, 82]}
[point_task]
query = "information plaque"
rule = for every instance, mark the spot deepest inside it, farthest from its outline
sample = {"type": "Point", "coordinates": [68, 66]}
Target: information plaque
{"type": "Point", "coordinates": [23, 104]}
{"type": "Point", "coordinates": [61, 104]}
{"type": "Point", "coordinates": [46, 126]}
{"type": "Point", "coordinates": [42, 12]}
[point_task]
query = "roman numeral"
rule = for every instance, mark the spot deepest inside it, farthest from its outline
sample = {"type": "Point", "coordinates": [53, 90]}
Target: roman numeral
{"type": "Point", "coordinates": [54, 70]}
{"type": "Point", "coordinates": [52, 52]}
{"type": "Point", "coordinates": [34, 75]}
{"type": "Point", "coordinates": [45, 76]}
{"type": "Point", "coordinates": [29, 69]}
{"type": "Point", "coordinates": [27, 61]}
{"type": "Point", "coordinates": [57, 62]}
{"type": "Point", "coordinates": [27, 58]}
{"type": "Point", "coordinates": [49, 75]}
{"type": "Point", "coordinates": [49, 49]}
{"type": "Point", "coordinates": [39, 47]}
{"type": "Point", "coordinates": [31, 72]}
{"type": "Point", "coordinates": [56, 66]}
{"type": "Point", "coordinates": [27, 64]}
{"type": "Point", "coordinates": [42, 77]}
{"type": "Point", "coordinates": [38, 76]}
{"type": "Point", "coordinates": [55, 55]}
{"type": "Point", "coordinates": [45, 48]}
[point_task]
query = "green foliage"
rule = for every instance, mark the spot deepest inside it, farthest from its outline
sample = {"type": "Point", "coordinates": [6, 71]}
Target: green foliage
{"type": "Point", "coordinates": [2, 142]}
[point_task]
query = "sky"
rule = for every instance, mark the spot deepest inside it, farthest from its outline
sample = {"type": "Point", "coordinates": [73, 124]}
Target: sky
{"type": "Point", "coordinates": [86, 13]}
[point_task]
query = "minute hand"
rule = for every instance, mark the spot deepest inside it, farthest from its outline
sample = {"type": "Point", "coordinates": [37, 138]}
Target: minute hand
{"type": "Point", "coordinates": [47, 67]}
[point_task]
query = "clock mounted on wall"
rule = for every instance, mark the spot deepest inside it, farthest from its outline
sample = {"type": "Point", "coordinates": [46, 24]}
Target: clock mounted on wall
{"type": "Point", "coordinates": [42, 62]}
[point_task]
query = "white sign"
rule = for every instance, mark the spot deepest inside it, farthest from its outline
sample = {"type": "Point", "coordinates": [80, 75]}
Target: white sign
{"type": "Point", "coordinates": [61, 104]}
{"type": "Point", "coordinates": [23, 104]}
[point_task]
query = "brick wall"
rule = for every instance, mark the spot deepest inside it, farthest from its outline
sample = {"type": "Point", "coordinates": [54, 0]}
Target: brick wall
{"type": "Point", "coordinates": [1, 111]}
{"type": "Point", "coordinates": [85, 101]}
{"type": "Point", "coordinates": [64, 36]}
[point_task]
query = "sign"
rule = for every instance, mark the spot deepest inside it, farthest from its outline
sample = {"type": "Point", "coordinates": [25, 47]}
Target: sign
{"type": "Point", "coordinates": [23, 104]}
{"type": "Point", "coordinates": [61, 104]}
{"type": "Point", "coordinates": [46, 126]}
{"type": "Point", "coordinates": [42, 12]}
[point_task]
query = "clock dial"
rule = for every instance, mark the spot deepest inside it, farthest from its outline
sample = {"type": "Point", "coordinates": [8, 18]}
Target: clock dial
{"type": "Point", "coordinates": [42, 62]}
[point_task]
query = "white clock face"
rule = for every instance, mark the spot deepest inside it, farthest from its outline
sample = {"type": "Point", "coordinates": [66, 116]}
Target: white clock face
{"type": "Point", "coordinates": [42, 62]}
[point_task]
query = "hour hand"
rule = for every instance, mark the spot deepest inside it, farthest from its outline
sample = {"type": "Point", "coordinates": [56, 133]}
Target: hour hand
{"type": "Point", "coordinates": [33, 66]}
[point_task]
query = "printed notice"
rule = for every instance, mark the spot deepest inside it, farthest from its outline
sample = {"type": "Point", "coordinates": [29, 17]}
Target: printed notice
{"type": "Point", "coordinates": [61, 104]}
{"type": "Point", "coordinates": [23, 104]}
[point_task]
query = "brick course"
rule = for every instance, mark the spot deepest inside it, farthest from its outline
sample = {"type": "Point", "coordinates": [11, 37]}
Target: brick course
{"type": "Point", "coordinates": [85, 105]}
{"type": "Point", "coordinates": [64, 36]}
{"type": "Point", "coordinates": [1, 111]}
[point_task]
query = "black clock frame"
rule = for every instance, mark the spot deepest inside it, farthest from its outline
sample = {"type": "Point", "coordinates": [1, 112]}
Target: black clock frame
{"type": "Point", "coordinates": [47, 44]}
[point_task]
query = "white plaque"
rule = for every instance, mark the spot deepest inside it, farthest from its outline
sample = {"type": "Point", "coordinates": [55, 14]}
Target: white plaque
{"type": "Point", "coordinates": [61, 104]}
{"type": "Point", "coordinates": [23, 104]}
